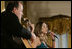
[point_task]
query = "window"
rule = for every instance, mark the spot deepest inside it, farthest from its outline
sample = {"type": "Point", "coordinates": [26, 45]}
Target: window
{"type": "Point", "coordinates": [62, 41]}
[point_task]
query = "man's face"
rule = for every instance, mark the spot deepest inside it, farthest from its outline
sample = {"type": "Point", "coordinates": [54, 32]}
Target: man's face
{"type": "Point", "coordinates": [19, 11]}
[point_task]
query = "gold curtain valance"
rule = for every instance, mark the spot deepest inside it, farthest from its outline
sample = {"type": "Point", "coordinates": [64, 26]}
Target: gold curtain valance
{"type": "Point", "coordinates": [58, 23]}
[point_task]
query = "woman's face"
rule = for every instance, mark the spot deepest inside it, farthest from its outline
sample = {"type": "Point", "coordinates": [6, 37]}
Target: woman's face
{"type": "Point", "coordinates": [44, 28]}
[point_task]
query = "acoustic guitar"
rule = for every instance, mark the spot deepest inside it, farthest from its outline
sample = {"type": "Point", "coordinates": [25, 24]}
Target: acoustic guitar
{"type": "Point", "coordinates": [27, 43]}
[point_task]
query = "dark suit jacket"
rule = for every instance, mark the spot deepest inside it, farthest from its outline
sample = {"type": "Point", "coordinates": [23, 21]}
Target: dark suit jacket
{"type": "Point", "coordinates": [10, 26]}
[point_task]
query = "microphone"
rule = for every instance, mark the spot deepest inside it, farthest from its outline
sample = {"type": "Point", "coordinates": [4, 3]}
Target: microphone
{"type": "Point", "coordinates": [52, 34]}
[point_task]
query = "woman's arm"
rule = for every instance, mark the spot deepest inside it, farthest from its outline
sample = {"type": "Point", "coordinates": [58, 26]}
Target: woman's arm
{"type": "Point", "coordinates": [53, 43]}
{"type": "Point", "coordinates": [53, 39]}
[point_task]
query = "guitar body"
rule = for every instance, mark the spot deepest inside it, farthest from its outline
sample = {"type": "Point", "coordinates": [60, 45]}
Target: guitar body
{"type": "Point", "coordinates": [27, 43]}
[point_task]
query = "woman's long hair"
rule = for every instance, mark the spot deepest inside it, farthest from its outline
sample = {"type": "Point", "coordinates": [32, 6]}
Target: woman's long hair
{"type": "Point", "coordinates": [38, 33]}
{"type": "Point", "coordinates": [38, 28]}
